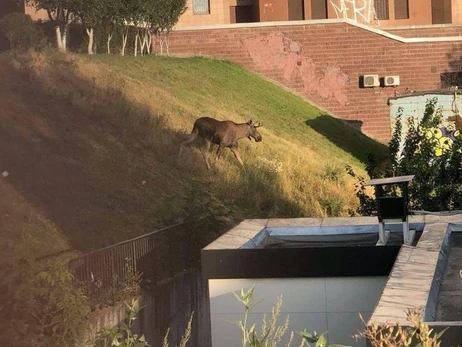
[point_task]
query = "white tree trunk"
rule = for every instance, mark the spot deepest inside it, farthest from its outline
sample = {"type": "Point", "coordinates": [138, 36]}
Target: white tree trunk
{"type": "Point", "coordinates": [143, 41]}
{"type": "Point", "coordinates": [90, 40]}
{"type": "Point", "coordinates": [161, 43]}
{"type": "Point", "coordinates": [147, 40]}
{"type": "Point", "coordinates": [124, 41]}
{"type": "Point", "coordinates": [136, 42]}
{"type": "Point", "coordinates": [109, 38]}
{"type": "Point", "coordinates": [59, 40]}
{"type": "Point", "coordinates": [64, 38]}
{"type": "Point", "coordinates": [167, 43]}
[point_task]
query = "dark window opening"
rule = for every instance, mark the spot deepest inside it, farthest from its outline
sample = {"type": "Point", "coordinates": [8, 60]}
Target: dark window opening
{"type": "Point", "coordinates": [242, 14]}
{"type": "Point", "coordinates": [401, 9]}
{"type": "Point", "coordinates": [381, 9]}
{"type": "Point", "coordinates": [441, 11]}
{"type": "Point", "coordinates": [296, 10]}
{"type": "Point", "coordinates": [450, 79]}
{"type": "Point", "coordinates": [318, 9]}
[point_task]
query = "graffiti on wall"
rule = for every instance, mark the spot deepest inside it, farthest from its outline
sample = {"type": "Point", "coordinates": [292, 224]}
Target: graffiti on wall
{"type": "Point", "coordinates": [279, 53]}
{"type": "Point", "coordinates": [413, 108]}
{"type": "Point", "coordinates": [361, 11]}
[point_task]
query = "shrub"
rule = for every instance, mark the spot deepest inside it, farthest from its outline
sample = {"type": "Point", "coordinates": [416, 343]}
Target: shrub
{"type": "Point", "coordinates": [432, 152]}
{"type": "Point", "coordinates": [41, 307]}
{"type": "Point", "coordinates": [21, 31]}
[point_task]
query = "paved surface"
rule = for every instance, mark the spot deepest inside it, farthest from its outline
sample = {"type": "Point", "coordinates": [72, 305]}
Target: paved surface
{"type": "Point", "coordinates": [412, 276]}
{"type": "Point", "coordinates": [449, 304]}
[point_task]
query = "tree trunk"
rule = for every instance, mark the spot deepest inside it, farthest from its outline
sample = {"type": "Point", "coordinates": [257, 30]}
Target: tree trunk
{"type": "Point", "coordinates": [142, 40]}
{"type": "Point", "coordinates": [59, 40]}
{"type": "Point", "coordinates": [124, 41]}
{"type": "Point", "coordinates": [64, 38]}
{"type": "Point", "coordinates": [167, 42]}
{"type": "Point", "coordinates": [148, 41]}
{"type": "Point", "coordinates": [90, 40]}
{"type": "Point", "coordinates": [136, 42]}
{"type": "Point", "coordinates": [109, 38]}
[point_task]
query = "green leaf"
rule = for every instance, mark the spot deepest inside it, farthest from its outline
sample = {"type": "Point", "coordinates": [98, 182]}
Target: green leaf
{"type": "Point", "coordinates": [321, 342]}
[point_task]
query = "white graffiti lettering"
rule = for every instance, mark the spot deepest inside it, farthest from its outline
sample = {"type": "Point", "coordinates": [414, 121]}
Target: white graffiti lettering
{"type": "Point", "coordinates": [361, 11]}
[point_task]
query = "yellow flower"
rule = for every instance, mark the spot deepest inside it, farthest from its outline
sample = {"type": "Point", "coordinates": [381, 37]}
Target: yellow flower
{"type": "Point", "coordinates": [437, 133]}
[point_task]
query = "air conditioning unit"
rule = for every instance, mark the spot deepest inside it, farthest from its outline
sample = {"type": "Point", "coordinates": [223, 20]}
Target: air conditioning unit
{"type": "Point", "coordinates": [389, 81]}
{"type": "Point", "coordinates": [371, 81]}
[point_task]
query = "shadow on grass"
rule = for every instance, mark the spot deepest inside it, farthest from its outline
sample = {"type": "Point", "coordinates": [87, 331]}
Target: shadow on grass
{"type": "Point", "coordinates": [100, 166]}
{"type": "Point", "coordinates": [95, 163]}
{"type": "Point", "coordinates": [348, 137]}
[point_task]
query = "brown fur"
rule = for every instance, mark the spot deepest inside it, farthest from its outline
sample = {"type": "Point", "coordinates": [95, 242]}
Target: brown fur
{"type": "Point", "coordinates": [222, 133]}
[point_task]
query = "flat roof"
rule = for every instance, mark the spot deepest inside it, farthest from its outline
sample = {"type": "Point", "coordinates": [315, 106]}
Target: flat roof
{"type": "Point", "coordinates": [421, 276]}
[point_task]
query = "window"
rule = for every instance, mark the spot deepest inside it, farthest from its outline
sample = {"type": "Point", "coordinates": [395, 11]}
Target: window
{"type": "Point", "coordinates": [318, 9]}
{"type": "Point", "coordinates": [200, 6]}
{"type": "Point", "coordinates": [381, 9]}
{"type": "Point", "coordinates": [401, 9]}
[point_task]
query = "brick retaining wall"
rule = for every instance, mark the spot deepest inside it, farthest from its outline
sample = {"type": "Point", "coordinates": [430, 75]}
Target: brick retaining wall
{"type": "Point", "coordinates": [323, 62]}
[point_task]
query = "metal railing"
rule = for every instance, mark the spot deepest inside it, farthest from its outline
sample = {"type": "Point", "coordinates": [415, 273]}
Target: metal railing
{"type": "Point", "coordinates": [111, 273]}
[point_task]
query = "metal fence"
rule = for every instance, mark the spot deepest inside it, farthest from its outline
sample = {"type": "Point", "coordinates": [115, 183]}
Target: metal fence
{"type": "Point", "coordinates": [109, 274]}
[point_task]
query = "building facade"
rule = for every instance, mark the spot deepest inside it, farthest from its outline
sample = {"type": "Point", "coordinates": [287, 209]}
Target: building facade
{"type": "Point", "coordinates": [383, 13]}
{"type": "Point", "coordinates": [373, 12]}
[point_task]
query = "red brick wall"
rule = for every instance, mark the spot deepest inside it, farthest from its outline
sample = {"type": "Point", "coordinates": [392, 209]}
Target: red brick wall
{"type": "Point", "coordinates": [323, 63]}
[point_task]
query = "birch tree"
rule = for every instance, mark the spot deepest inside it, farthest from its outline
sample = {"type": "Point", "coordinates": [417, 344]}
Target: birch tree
{"type": "Point", "coordinates": [164, 17]}
{"type": "Point", "coordinates": [60, 13]}
{"type": "Point", "coordinates": [112, 20]}
{"type": "Point", "coordinates": [91, 13]}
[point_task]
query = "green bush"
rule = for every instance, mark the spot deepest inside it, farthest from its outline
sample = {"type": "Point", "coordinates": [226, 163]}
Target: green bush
{"type": "Point", "coordinates": [21, 31]}
{"type": "Point", "coordinates": [40, 305]}
{"type": "Point", "coordinates": [432, 152]}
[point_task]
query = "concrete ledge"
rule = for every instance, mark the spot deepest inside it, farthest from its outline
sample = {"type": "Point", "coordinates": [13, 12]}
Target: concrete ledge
{"type": "Point", "coordinates": [413, 281]}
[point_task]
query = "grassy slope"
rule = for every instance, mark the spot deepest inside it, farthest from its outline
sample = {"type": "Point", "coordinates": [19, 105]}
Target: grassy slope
{"type": "Point", "coordinates": [91, 144]}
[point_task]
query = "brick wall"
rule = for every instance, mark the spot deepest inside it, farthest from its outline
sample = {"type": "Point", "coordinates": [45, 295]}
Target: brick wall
{"type": "Point", "coordinates": [324, 61]}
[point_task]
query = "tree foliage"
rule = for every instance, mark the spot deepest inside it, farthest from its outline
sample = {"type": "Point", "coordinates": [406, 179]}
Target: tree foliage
{"type": "Point", "coordinates": [432, 152]}
{"type": "Point", "coordinates": [40, 305]}
{"type": "Point", "coordinates": [20, 31]}
{"type": "Point", "coordinates": [148, 18]}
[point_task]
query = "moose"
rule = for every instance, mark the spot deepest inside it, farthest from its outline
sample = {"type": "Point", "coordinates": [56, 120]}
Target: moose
{"type": "Point", "coordinates": [222, 133]}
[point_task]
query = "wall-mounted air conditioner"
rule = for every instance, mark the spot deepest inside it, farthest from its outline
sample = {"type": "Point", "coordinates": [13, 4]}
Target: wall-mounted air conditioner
{"type": "Point", "coordinates": [371, 81]}
{"type": "Point", "coordinates": [389, 81]}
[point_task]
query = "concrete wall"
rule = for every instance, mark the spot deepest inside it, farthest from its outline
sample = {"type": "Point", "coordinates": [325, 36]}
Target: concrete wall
{"type": "Point", "coordinates": [324, 60]}
{"type": "Point", "coordinates": [321, 304]}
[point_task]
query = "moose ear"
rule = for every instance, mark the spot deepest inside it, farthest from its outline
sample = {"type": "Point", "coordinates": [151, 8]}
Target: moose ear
{"type": "Point", "coordinates": [249, 122]}
{"type": "Point", "coordinates": [257, 124]}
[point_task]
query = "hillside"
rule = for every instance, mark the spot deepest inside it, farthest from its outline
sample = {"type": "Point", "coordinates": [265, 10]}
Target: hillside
{"type": "Point", "coordinates": [90, 146]}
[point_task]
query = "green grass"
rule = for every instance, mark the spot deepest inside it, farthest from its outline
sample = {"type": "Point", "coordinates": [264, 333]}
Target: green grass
{"type": "Point", "coordinates": [214, 86]}
{"type": "Point", "coordinates": [91, 144]}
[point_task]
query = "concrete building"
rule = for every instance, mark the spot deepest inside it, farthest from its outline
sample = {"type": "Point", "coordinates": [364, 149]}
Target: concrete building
{"type": "Point", "coordinates": [329, 270]}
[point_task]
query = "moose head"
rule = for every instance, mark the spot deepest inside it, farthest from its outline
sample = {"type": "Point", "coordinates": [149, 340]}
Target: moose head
{"type": "Point", "coordinates": [253, 132]}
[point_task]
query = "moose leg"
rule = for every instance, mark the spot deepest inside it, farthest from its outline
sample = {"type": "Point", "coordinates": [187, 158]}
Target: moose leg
{"type": "Point", "coordinates": [190, 139]}
{"type": "Point", "coordinates": [220, 151]}
{"type": "Point", "coordinates": [205, 153]}
{"type": "Point", "coordinates": [237, 155]}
